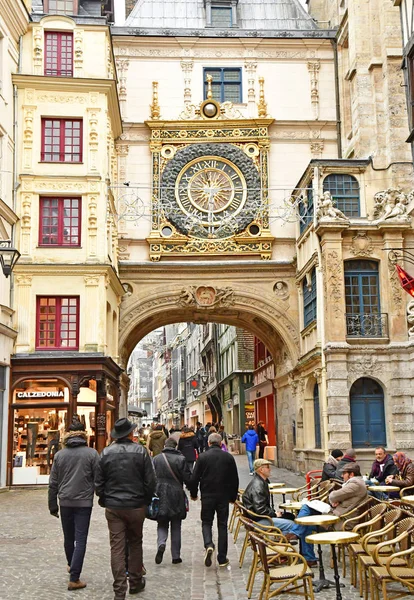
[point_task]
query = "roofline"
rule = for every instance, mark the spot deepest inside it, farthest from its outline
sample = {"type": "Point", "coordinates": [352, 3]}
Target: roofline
{"type": "Point", "coordinates": [223, 33]}
{"type": "Point", "coordinates": [360, 163]}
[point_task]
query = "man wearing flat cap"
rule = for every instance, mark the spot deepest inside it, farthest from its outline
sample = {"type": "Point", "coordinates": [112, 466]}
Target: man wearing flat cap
{"type": "Point", "coordinates": [125, 484]}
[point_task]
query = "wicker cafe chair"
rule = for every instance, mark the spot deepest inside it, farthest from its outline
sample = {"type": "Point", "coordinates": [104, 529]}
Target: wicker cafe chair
{"type": "Point", "coordinates": [407, 491]}
{"type": "Point", "coordinates": [370, 520]}
{"type": "Point", "coordinates": [249, 514]}
{"type": "Point", "coordinates": [394, 568]}
{"type": "Point", "coordinates": [310, 492]}
{"type": "Point", "coordinates": [270, 527]}
{"type": "Point", "coordinates": [279, 543]}
{"type": "Point", "coordinates": [294, 578]}
{"type": "Point", "coordinates": [235, 512]}
{"type": "Point", "coordinates": [377, 554]}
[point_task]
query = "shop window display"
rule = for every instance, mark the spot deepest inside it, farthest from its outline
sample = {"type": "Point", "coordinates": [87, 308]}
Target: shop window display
{"type": "Point", "coordinates": [38, 433]}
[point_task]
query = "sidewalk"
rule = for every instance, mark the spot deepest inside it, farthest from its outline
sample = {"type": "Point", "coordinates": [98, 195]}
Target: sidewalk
{"type": "Point", "coordinates": [33, 563]}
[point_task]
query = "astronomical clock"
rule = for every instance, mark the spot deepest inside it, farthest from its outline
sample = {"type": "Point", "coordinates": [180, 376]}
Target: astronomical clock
{"type": "Point", "coordinates": [210, 184]}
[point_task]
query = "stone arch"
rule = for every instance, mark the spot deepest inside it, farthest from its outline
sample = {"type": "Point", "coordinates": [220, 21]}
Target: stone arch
{"type": "Point", "coordinates": [257, 312]}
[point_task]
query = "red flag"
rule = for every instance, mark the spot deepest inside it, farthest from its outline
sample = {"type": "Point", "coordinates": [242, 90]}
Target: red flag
{"type": "Point", "coordinates": [407, 282]}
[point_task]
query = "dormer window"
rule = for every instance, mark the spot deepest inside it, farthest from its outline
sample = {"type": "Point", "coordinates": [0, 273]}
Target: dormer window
{"type": "Point", "coordinates": [221, 16]}
{"type": "Point", "coordinates": [221, 13]}
{"type": "Point", "coordinates": [61, 7]}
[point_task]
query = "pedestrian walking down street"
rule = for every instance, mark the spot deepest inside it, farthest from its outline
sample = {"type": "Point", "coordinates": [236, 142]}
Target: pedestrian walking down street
{"type": "Point", "coordinates": [251, 439]}
{"type": "Point", "coordinates": [172, 471]}
{"type": "Point", "coordinates": [125, 484]}
{"type": "Point", "coordinates": [156, 440]}
{"type": "Point", "coordinates": [187, 444]}
{"type": "Point", "coordinates": [216, 474]}
{"type": "Point", "coordinates": [263, 439]}
{"type": "Point", "coordinates": [201, 437]}
{"type": "Point", "coordinates": [72, 480]}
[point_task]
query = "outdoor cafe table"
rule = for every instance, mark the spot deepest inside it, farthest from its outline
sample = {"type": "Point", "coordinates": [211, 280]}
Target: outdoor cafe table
{"type": "Point", "coordinates": [383, 488]}
{"type": "Point", "coordinates": [408, 499]}
{"type": "Point", "coordinates": [283, 491]}
{"type": "Point", "coordinates": [319, 521]}
{"type": "Point", "coordinates": [276, 485]}
{"type": "Point", "coordinates": [293, 506]}
{"type": "Point", "coordinates": [333, 538]}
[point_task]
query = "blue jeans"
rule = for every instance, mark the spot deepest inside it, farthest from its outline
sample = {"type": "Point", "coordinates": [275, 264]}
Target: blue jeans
{"type": "Point", "coordinates": [75, 525]}
{"type": "Point", "coordinates": [303, 530]}
{"type": "Point", "coordinates": [251, 455]}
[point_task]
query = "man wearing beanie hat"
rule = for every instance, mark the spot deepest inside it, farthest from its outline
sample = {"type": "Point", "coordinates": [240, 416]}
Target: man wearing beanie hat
{"type": "Point", "coordinates": [329, 468]}
{"type": "Point", "coordinates": [125, 484]}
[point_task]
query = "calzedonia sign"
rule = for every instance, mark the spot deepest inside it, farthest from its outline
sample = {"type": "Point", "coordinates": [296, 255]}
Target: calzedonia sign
{"type": "Point", "coordinates": [51, 394]}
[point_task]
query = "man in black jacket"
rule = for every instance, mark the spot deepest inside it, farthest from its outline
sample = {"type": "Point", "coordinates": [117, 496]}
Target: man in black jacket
{"type": "Point", "coordinates": [72, 480]}
{"type": "Point", "coordinates": [125, 484]}
{"type": "Point", "coordinates": [216, 473]}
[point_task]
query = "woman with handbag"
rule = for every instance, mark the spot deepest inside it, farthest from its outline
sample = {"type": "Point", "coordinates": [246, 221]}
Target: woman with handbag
{"type": "Point", "coordinates": [172, 472]}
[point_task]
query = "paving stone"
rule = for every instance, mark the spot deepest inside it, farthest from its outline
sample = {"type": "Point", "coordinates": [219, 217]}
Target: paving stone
{"type": "Point", "coordinates": [33, 566]}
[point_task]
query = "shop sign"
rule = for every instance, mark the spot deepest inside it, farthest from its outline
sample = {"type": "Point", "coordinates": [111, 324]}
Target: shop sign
{"type": "Point", "coordinates": [52, 394]}
{"type": "Point", "coordinates": [249, 412]}
{"type": "Point", "coordinates": [101, 424]}
{"type": "Point", "coordinates": [226, 392]}
{"type": "Point", "coordinates": [193, 413]}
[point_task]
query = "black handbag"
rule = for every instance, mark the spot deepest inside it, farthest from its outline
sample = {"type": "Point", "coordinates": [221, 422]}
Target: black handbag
{"type": "Point", "coordinates": [153, 508]}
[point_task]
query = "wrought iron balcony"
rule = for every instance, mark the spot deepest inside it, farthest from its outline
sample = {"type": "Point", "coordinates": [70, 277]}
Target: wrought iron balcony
{"type": "Point", "coordinates": [367, 325]}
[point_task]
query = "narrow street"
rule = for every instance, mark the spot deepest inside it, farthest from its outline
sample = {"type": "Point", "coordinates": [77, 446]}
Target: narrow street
{"type": "Point", "coordinates": [33, 563]}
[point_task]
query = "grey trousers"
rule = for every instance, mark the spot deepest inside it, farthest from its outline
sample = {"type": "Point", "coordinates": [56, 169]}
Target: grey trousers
{"type": "Point", "coordinates": [162, 535]}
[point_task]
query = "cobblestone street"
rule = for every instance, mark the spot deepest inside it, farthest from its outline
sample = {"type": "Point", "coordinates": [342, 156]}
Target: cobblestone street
{"type": "Point", "coordinates": [33, 563]}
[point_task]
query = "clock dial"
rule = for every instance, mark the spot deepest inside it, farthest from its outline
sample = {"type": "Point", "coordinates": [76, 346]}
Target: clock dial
{"type": "Point", "coordinates": [210, 189]}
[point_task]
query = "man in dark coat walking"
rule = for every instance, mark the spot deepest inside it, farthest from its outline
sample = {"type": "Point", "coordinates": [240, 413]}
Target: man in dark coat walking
{"type": "Point", "coordinates": [216, 474]}
{"type": "Point", "coordinates": [72, 480]}
{"type": "Point", "coordinates": [125, 484]}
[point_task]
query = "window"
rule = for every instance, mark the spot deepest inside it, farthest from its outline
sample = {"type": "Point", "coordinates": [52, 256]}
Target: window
{"type": "Point", "coordinates": [317, 417]}
{"type": "Point", "coordinates": [61, 7]}
{"type": "Point", "coordinates": [309, 299]}
{"type": "Point", "coordinates": [367, 414]}
{"type": "Point", "coordinates": [345, 192]}
{"type": "Point", "coordinates": [58, 54]}
{"type": "Point", "coordinates": [221, 16]}
{"type": "Point", "coordinates": [57, 323]}
{"type": "Point", "coordinates": [61, 140]}
{"type": "Point", "coordinates": [226, 84]}
{"type": "Point", "coordinates": [60, 222]}
{"type": "Point", "coordinates": [306, 210]}
{"type": "Point", "coordinates": [362, 299]}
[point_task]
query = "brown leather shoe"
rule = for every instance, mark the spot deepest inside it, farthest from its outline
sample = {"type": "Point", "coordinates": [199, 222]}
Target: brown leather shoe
{"type": "Point", "coordinates": [312, 563]}
{"type": "Point", "coordinates": [76, 585]}
{"type": "Point", "coordinates": [291, 536]}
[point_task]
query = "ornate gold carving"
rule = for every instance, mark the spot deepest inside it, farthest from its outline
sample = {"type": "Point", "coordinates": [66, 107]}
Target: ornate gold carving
{"type": "Point", "coordinates": [262, 248]}
{"type": "Point", "coordinates": [155, 107]}
{"type": "Point", "coordinates": [206, 296]}
{"type": "Point", "coordinates": [262, 105]}
{"type": "Point", "coordinates": [361, 244]}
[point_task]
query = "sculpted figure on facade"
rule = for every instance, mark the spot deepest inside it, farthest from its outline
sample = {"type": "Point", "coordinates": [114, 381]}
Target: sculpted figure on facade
{"type": "Point", "coordinates": [326, 209]}
{"type": "Point", "coordinates": [410, 318]}
{"type": "Point", "coordinates": [390, 204]}
{"type": "Point", "coordinates": [206, 296]}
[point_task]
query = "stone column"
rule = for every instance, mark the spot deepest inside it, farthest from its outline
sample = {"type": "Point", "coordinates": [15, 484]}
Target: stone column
{"type": "Point", "coordinates": [122, 65]}
{"type": "Point", "coordinates": [92, 308]}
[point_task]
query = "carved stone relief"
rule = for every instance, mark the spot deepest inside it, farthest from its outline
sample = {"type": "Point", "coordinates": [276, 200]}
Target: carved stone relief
{"type": "Point", "coordinates": [78, 53]}
{"type": "Point", "coordinates": [391, 204]}
{"type": "Point", "coordinates": [326, 210]}
{"type": "Point", "coordinates": [281, 290]}
{"type": "Point", "coordinates": [206, 296]}
{"type": "Point", "coordinates": [313, 68]}
{"type": "Point", "coordinates": [410, 318]}
{"type": "Point", "coordinates": [38, 50]}
{"type": "Point", "coordinates": [361, 244]}
{"type": "Point", "coordinates": [187, 69]}
{"type": "Point", "coordinates": [396, 290]}
{"type": "Point", "coordinates": [333, 281]}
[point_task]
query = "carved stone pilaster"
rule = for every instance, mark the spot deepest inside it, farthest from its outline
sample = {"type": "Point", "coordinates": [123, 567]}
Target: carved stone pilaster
{"type": "Point", "coordinates": [93, 137]}
{"type": "Point", "coordinates": [78, 53]}
{"type": "Point", "coordinates": [251, 67]}
{"type": "Point", "coordinates": [28, 117]}
{"type": "Point", "coordinates": [26, 224]}
{"type": "Point", "coordinates": [24, 284]}
{"type": "Point", "coordinates": [122, 65]}
{"type": "Point", "coordinates": [92, 226]}
{"type": "Point", "coordinates": [313, 68]}
{"type": "Point", "coordinates": [38, 44]}
{"type": "Point", "coordinates": [92, 302]}
{"type": "Point", "coordinates": [109, 63]}
{"type": "Point", "coordinates": [316, 148]}
{"type": "Point", "coordinates": [187, 68]}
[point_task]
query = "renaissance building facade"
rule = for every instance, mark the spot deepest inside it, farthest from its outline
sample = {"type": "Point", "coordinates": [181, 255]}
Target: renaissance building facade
{"type": "Point", "coordinates": [260, 178]}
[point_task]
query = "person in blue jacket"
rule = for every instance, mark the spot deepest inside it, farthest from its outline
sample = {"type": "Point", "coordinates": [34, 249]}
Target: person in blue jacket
{"type": "Point", "coordinates": [251, 439]}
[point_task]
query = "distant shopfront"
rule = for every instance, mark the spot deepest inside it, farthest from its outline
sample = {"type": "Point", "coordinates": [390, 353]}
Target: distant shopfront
{"type": "Point", "coordinates": [47, 395]}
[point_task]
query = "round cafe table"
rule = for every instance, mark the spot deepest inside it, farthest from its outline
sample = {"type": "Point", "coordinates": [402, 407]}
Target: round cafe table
{"type": "Point", "coordinates": [333, 538]}
{"type": "Point", "coordinates": [292, 506]}
{"type": "Point", "coordinates": [319, 521]}
{"type": "Point", "coordinates": [283, 491]}
{"type": "Point", "coordinates": [408, 499]}
{"type": "Point", "coordinates": [276, 485]}
{"type": "Point", "coordinates": [383, 488]}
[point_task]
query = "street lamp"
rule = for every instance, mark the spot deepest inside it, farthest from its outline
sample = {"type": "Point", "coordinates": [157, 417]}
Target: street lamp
{"type": "Point", "coordinates": [8, 257]}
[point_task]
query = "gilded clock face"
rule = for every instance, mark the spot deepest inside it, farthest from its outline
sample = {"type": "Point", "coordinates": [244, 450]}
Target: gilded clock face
{"type": "Point", "coordinates": [210, 189]}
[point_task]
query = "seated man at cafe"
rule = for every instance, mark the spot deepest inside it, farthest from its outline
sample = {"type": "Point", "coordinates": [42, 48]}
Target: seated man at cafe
{"type": "Point", "coordinates": [352, 493]}
{"type": "Point", "coordinates": [382, 468]}
{"type": "Point", "coordinates": [256, 498]}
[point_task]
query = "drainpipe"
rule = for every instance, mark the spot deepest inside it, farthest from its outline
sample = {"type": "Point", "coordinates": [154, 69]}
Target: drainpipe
{"type": "Point", "coordinates": [337, 103]}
